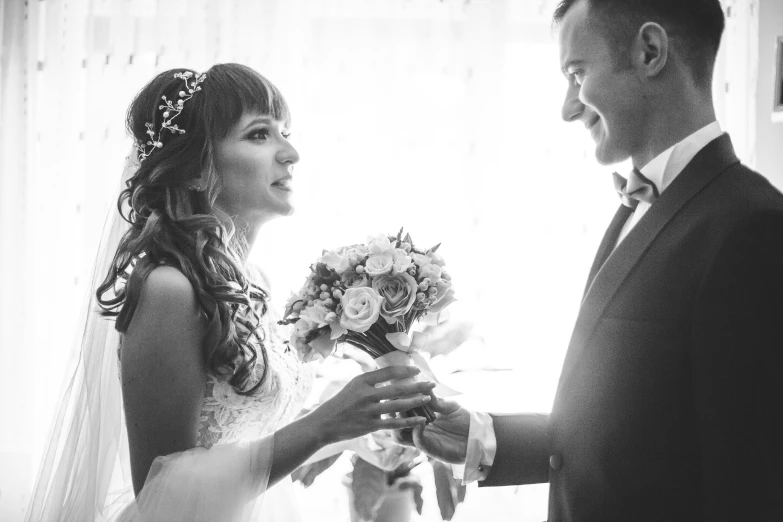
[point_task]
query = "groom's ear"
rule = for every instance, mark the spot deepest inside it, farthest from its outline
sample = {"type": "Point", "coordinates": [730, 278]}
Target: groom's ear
{"type": "Point", "coordinates": [651, 49]}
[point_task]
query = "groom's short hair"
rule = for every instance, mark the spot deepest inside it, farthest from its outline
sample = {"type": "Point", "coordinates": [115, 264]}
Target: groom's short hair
{"type": "Point", "coordinates": [697, 24]}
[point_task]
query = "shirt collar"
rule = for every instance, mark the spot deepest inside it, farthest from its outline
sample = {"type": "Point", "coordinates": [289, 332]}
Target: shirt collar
{"type": "Point", "coordinates": [667, 165]}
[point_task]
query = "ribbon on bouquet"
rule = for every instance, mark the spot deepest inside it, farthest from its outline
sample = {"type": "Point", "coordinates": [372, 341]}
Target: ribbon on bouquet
{"type": "Point", "coordinates": [407, 354]}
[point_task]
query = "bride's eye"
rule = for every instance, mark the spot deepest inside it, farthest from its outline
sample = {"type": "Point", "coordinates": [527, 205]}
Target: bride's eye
{"type": "Point", "coordinates": [286, 134]}
{"type": "Point", "coordinates": [259, 134]}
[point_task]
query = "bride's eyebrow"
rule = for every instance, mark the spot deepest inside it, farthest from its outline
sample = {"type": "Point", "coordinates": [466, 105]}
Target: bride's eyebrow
{"type": "Point", "coordinates": [262, 119]}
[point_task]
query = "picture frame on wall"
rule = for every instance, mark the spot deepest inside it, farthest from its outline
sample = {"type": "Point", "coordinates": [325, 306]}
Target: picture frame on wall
{"type": "Point", "coordinates": [777, 105]}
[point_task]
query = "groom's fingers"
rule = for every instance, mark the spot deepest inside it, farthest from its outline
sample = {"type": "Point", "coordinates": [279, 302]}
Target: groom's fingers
{"type": "Point", "coordinates": [443, 406]}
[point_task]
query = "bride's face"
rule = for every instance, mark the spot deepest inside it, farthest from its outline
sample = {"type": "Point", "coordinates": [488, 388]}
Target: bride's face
{"type": "Point", "coordinates": [255, 162]}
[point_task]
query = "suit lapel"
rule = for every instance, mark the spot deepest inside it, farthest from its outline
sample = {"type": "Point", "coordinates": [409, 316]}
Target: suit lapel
{"type": "Point", "coordinates": [708, 164]}
{"type": "Point", "coordinates": [608, 243]}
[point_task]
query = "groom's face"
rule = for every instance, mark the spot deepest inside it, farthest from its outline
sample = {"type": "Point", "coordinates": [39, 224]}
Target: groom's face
{"type": "Point", "coordinates": [603, 94]}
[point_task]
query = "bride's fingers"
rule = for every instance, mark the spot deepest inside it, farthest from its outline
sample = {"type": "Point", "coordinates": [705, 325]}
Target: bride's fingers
{"type": "Point", "coordinates": [390, 373]}
{"type": "Point", "coordinates": [399, 423]}
{"type": "Point", "coordinates": [396, 390]}
{"type": "Point", "coordinates": [395, 405]}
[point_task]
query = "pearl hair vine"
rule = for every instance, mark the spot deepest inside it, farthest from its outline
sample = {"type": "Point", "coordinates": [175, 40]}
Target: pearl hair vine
{"type": "Point", "coordinates": [170, 111]}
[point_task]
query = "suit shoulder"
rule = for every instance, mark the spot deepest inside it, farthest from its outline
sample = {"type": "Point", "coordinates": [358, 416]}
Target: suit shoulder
{"type": "Point", "coordinates": [747, 184]}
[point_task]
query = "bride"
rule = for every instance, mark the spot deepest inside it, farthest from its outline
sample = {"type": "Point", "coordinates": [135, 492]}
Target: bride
{"type": "Point", "coordinates": [209, 388]}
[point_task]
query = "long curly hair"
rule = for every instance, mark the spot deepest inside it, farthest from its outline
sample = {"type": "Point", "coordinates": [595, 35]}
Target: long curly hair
{"type": "Point", "coordinates": [170, 204]}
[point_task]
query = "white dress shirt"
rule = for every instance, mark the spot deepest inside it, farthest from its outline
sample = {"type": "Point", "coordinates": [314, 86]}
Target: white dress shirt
{"type": "Point", "coordinates": [667, 165]}
{"type": "Point", "coordinates": [662, 170]}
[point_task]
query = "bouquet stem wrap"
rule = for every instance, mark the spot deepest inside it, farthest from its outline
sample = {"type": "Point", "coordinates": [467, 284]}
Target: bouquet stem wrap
{"type": "Point", "coordinates": [401, 349]}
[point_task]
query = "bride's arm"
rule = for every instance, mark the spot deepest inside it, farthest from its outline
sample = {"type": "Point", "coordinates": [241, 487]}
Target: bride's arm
{"type": "Point", "coordinates": [163, 372]}
{"type": "Point", "coordinates": [164, 378]}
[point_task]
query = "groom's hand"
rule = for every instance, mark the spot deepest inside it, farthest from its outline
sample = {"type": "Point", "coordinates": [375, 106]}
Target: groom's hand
{"type": "Point", "coordinates": [446, 438]}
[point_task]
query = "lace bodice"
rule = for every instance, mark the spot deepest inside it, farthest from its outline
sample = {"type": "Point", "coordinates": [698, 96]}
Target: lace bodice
{"type": "Point", "coordinates": [229, 417]}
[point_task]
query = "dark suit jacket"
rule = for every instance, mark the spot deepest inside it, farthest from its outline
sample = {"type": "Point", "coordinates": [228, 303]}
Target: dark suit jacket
{"type": "Point", "coordinates": [669, 405]}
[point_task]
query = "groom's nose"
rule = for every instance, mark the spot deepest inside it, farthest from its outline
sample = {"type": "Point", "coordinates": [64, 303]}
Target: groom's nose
{"type": "Point", "coordinates": [572, 106]}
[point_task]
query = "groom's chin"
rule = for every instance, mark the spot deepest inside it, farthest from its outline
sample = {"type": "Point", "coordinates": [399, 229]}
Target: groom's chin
{"type": "Point", "coordinates": [606, 156]}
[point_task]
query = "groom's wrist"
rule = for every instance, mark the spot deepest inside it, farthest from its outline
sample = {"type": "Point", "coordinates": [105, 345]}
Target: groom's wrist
{"type": "Point", "coordinates": [481, 448]}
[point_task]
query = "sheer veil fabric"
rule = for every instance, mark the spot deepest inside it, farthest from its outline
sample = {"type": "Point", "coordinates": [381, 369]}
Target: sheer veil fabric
{"type": "Point", "coordinates": [85, 471]}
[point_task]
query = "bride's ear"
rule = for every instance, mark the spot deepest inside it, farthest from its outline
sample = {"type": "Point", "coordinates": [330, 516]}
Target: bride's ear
{"type": "Point", "coordinates": [199, 183]}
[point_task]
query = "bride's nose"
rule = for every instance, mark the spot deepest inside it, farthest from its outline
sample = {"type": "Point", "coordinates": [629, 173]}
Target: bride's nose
{"type": "Point", "coordinates": [287, 154]}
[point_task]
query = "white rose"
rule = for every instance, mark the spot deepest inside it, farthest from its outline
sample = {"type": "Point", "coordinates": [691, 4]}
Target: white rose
{"type": "Point", "coordinates": [337, 262]}
{"type": "Point", "coordinates": [421, 259]}
{"type": "Point", "coordinates": [361, 308]}
{"type": "Point", "coordinates": [379, 264]}
{"type": "Point", "coordinates": [402, 261]}
{"type": "Point", "coordinates": [379, 244]}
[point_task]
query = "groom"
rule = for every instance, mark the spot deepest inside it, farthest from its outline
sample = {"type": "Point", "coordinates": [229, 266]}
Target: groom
{"type": "Point", "coordinates": [669, 406]}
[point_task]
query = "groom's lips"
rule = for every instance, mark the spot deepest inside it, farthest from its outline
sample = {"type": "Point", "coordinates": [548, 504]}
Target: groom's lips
{"type": "Point", "coordinates": [592, 126]}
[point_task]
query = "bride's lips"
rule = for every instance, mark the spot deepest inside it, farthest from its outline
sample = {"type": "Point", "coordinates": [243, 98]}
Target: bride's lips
{"type": "Point", "coordinates": [592, 125]}
{"type": "Point", "coordinates": [283, 184]}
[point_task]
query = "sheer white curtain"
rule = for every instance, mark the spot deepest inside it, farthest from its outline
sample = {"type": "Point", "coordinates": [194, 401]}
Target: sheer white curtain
{"type": "Point", "coordinates": [440, 116]}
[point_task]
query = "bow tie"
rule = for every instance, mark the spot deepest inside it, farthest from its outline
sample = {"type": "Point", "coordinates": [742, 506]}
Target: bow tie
{"type": "Point", "coordinates": [635, 189]}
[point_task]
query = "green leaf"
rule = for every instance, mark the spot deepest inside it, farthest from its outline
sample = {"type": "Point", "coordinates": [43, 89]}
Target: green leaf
{"type": "Point", "coordinates": [368, 486]}
{"type": "Point", "coordinates": [306, 474]}
{"type": "Point", "coordinates": [449, 491]}
{"type": "Point", "coordinates": [413, 483]}
{"type": "Point", "coordinates": [461, 490]}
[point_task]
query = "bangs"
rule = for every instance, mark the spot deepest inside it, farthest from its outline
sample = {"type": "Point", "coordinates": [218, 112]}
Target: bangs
{"type": "Point", "coordinates": [237, 90]}
{"type": "Point", "coordinates": [257, 94]}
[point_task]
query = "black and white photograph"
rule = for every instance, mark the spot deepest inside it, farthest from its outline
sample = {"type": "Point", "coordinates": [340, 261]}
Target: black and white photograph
{"type": "Point", "coordinates": [391, 260]}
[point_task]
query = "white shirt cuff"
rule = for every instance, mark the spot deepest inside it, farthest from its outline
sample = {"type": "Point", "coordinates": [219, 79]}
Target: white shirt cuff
{"type": "Point", "coordinates": [482, 445]}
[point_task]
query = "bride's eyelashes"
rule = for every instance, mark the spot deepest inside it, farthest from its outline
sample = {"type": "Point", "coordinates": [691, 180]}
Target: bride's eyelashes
{"type": "Point", "coordinates": [264, 133]}
{"type": "Point", "coordinates": [259, 134]}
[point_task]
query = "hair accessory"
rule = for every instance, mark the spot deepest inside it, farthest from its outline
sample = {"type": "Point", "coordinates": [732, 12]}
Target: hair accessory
{"type": "Point", "coordinates": [170, 111]}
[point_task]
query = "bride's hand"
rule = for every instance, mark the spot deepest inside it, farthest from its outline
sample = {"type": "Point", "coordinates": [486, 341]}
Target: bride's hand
{"type": "Point", "coordinates": [362, 407]}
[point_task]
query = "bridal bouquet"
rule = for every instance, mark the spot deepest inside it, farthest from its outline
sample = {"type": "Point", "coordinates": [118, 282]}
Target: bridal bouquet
{"type": "Point", "coordinates": [370, 295]}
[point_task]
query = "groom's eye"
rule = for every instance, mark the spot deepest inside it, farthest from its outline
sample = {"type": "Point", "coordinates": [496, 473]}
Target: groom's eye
{"type": "Point", "coordinates": [577, 77]}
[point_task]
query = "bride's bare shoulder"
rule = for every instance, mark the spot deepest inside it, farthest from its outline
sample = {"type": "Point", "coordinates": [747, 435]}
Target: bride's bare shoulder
{"type": "Point", "coordinates": [168, 281]}
{"type": "Point", "coordinates": [166, 300]}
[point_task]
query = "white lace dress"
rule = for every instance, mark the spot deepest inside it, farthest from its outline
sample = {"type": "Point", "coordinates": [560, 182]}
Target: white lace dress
{"type": "Point", "coordinates": [228, 417]}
